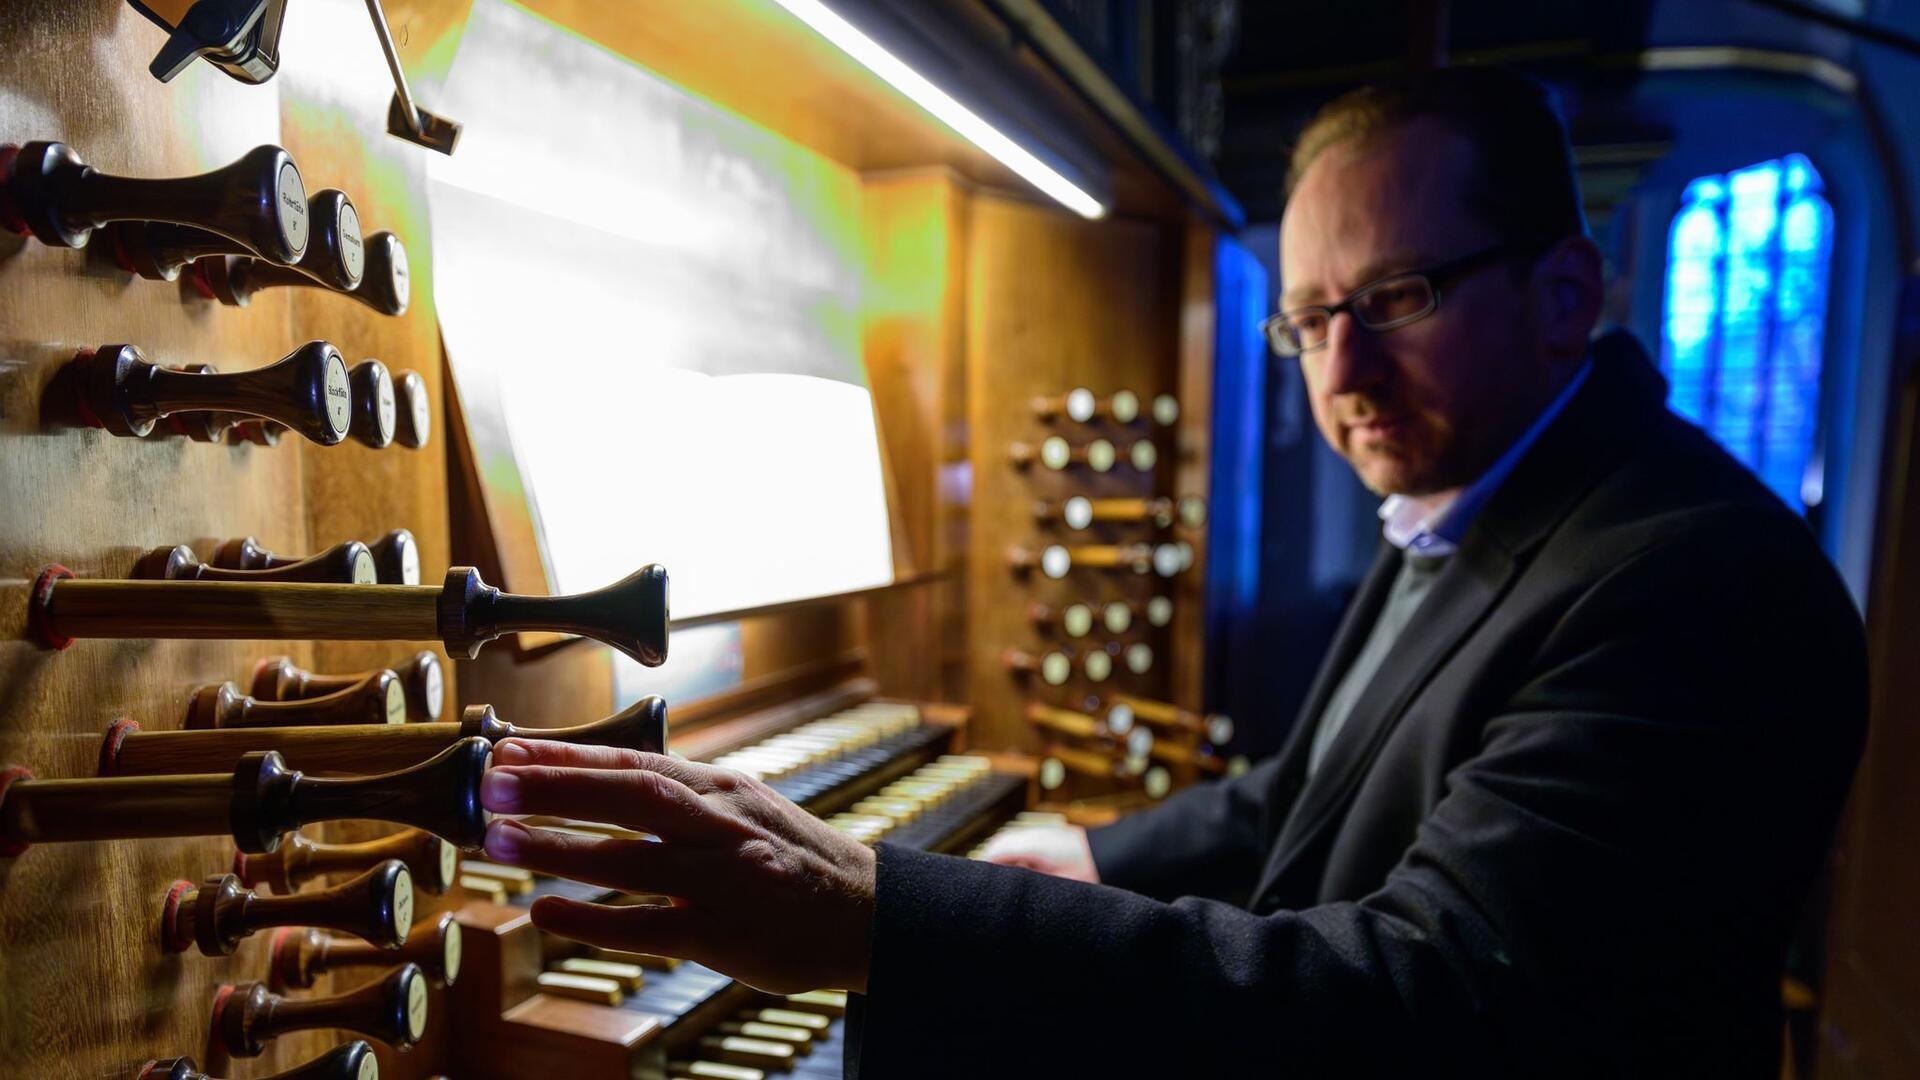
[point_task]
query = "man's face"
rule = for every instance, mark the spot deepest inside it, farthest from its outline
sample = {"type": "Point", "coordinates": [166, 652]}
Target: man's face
{"type": "Point", "coordinates": [1424, 408]}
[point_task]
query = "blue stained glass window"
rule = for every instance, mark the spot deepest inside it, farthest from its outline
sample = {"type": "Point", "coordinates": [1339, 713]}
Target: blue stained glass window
{"type": "Point", "coordinates": [1746, 305]}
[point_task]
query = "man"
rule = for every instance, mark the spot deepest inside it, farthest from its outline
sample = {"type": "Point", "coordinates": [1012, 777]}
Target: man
{"type": "Point", "coordinates": [1550, 808]}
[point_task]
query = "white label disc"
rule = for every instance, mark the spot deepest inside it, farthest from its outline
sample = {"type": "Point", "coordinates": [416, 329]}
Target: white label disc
{"type": "Point", "coordinates": [1139, 658]}
{"type": "Point", "coordinates": [1100, 455]}
{"type": "Point", "coordinates": [1166, 410]}
{"type": "Point", "coordinates": [396, 703]}
{"type": "Point", "coordinates": [353, 253]}
{"type": "Point", "coordinates": [1080, 404]}
{"type": "Point", "coordinates": [1118, 617]}
{"type": "Point", "coordinates": [1055, 668]}
{"type": "Point", "coordinates": [436, 689]}
{"type": "Point", "coordinates": [363, 572]}
{"type": "Point", "coordinates": [1125, 406]}
{"type": "Point", "coordinates": [290, 208]}
{"type": "Point", "coordinates": [1055, 562]}
{"type": "Point", "coordinates": [1052, 773]}
{"type": "Point", "coordinates": [339, 394]}
{"type": "Point", "coordinates": [450, 956]}
{"type": "Point", "coordinates": [1077, 620]}
{"type": "Point", "coordinates": [403, 903]}
{"type": "Point", "coordinates": [1120, 719]}
{"type": "Point", "coordinates": [1055, 453]}
{"type": "Point", "coordinates": [1160, 611]}
{"type": "Point", "coordinates": [1078, 513]}
{"type": "Point", "coordinates": [1144, 455]}
{"type": "Point", "coordinates": [417, 1006]}
{"type": "Point", "coordinates": [1098, 666]}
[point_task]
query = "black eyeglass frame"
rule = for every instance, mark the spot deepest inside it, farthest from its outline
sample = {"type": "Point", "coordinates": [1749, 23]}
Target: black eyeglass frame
{"type": "Point", "coordinates": [1434, 276]}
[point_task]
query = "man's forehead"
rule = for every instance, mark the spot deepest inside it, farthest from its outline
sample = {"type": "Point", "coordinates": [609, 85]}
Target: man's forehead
{"type": "Point", "coordinates": [1367, 209]}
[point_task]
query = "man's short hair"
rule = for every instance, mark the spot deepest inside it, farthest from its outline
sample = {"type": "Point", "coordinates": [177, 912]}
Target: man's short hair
{"type": "Point", "coordinates": [1523, 184]}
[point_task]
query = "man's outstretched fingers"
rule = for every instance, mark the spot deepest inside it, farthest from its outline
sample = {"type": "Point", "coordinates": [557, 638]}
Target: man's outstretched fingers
{"type": "Point", "coordinates": [662, 931]}
{"type": "Point", "coordinates": [633, 866]}
{"type": "Point", "coordinates": [633, 798]}
{"type": "Point", "coordinates": [521, 751]}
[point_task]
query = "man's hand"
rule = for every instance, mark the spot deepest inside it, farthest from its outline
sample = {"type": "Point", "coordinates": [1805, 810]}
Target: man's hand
{"type": "Point", "coordinates": [763, 891]}
{"type": "Point", "coordinates": [1060, 850]}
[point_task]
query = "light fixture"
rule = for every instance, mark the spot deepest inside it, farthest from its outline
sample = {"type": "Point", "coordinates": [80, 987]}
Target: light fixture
{"type": "Point", "coordinates": [943, 106]}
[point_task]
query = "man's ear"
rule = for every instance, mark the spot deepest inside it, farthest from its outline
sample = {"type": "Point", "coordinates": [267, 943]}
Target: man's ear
{"type": "Point", "coordinates": [1570, 291]}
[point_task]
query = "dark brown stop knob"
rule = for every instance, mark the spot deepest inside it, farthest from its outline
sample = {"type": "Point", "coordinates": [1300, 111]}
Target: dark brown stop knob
{"type": "Point", "coordinates": [350, 1061]}
{"type": "Point", "coordinates": [308, 390]}
{"type": "Point", "coordinates": [384, 286]}
{"type": "Point", "coordinates": [257, 803]}
{"type": "Point", "coordinates": [415, 413]}
{"type": "Point", "coordinates": [349, 563]}
{"type": "Point", "coordinates": [376, 907]}
{"type": "Point", "coordinates": [377, 699]}
{"type": "Point", "coordinates": [298, 957]}
{"type": "Point", "coordinates": [277, 678]}
{"type": "Point", "coordinates": [394, 559]}
{"type": "Point", "coordinates": [160, 250]}
{"type": "Point", "coordinates": [432, 861]}
{"type": "Point", "coordinates": [258, 201]}
{"type": "Point", "coordinates": [392, 1010]}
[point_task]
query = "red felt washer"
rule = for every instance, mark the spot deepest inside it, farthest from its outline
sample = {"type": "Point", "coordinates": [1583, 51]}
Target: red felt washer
{"type": "Point", "coordinates": [110, 745]}
{"type": "Point", "coordinates": [37, 627]}
{"type": "Point", "coordinates": [11, 848]}
{"type": "Point", "coordinates": [170, 938]}
{"type": "Point", "coordinates": [220, 999]}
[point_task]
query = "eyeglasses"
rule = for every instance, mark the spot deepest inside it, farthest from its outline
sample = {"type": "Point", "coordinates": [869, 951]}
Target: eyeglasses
{"type": "Point", "coordinates": [1387, 303]}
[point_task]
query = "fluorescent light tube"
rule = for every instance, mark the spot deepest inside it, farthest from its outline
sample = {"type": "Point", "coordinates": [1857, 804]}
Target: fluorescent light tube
{"type": "Point", "coordinates": [943, 107]}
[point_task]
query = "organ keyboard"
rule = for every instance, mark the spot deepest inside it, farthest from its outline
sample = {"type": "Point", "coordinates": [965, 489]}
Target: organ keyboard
{"type": "Point", "coordinates": [878, 770]}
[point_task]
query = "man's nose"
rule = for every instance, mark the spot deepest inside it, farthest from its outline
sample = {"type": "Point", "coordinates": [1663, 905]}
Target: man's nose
{"type": "Point", "coordinates": [1352, 359]}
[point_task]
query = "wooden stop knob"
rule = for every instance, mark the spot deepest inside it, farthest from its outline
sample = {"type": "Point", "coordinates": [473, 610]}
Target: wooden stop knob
{"type": "Point", "coordinates": [392, 1010]}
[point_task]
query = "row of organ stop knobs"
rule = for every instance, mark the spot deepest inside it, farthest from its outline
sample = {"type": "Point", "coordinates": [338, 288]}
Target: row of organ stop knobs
{"type": "Point", "coordinates": [258, 760]}
{"type": "Point", "coordinates": [231, 233]}
{"type": "Point", "coordinates": [1094, 443]}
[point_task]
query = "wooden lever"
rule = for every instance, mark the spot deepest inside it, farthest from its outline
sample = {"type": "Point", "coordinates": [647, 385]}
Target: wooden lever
{"type": "Point", "coordinates": [433, 862]}
{"type": "Point", "coordinates": [258, 201]}
{"type": "Point", "coordinates": [394, 559]}
{"type": "Point", "coordinates": [308, 390]}
{"type": "Point", "coordinates": [277, 678]}
{"type": "Point", "coordinates": [392, 1010]}
{"type": "Point", "coordinates": [257, 802]}
{"type": "Point", "coordinates": [415, 411]}
{"type": "Point", "coordinates": [1074, 620]}
{"type": "Point", "coordinates": [350, 563]}
{"type": "Point", "coordinates": [1082, 406]}
{"type": "Point", "coordinates": [464, 613]}
{"type": "Point", "coordinates": [376, 907]}
{"type": "Point", "coordinates": [361, 748]}
{"type": "Point", "coordinates": [351, 1061]}
{"type": "Point", "coordinates": [1133, 743]}
{"type": "Point", "coordinates": [1217, 728]}
{"type": "Point", "coordinates": [160, 250]}
{"type": "Point", "coordinates": [1080, 512]}
{"type": "Point", "coordinates": [298, 957]}
{"type": "Point", "coordinates": [377, 699]}
{"type": "Point", "coordinates": [1055, 453]}
{"type": "Point", "coordinates": [1054, 668]}
{"type": "Point", "coordinates": [1058, 560]}
{"type": "Point", "coordinates": [385, 284]}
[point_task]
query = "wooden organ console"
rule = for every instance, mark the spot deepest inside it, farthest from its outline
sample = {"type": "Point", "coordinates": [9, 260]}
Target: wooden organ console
{"type": "Point", "coordinates": [248, 682]}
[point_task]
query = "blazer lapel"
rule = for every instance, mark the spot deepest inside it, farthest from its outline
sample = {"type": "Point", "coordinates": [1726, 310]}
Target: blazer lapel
{"type": "Point", "coordinates": [1462, 596]}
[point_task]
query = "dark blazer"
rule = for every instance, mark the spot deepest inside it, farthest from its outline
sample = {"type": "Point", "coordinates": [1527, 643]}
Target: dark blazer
{"type": "Point", "coordinates": [1565, 832]}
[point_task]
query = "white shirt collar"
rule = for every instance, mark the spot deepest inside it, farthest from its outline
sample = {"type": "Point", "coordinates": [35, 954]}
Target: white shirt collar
{"type": "Point", "coordinates": [1433, 525]}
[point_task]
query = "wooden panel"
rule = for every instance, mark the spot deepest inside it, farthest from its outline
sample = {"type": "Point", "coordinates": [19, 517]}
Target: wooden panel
{"type": "Point", "coordinates": [1870, 1024]}
{"type": "Point", "coordinates": [1054, 303]}
{"type": "Point", "coordinates": [87, 990]}
{"type": "Point", "coordinates": [914, 343]}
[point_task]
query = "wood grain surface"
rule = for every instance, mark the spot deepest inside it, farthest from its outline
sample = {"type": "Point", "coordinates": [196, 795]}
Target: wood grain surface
{"type": "Point", "coordinates": [85, 990]}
